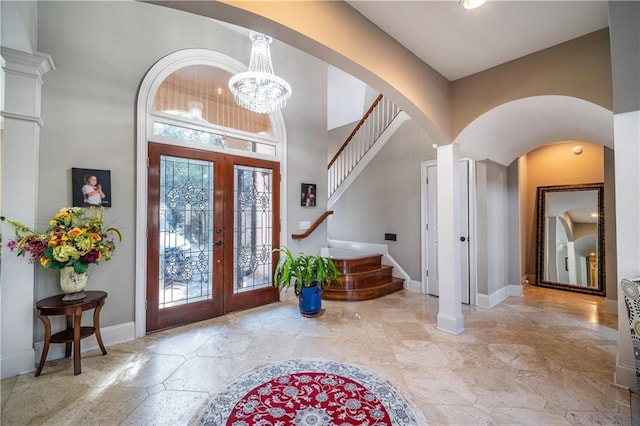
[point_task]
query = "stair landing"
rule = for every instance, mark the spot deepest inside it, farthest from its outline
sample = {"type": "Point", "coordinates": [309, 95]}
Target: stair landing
{"type": "Point", "coordinates": [362, 278]}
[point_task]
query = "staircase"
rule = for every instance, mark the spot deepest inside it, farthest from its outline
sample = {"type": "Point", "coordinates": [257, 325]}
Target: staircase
{"type": "Point", "coordinates": [369, 136]}
{"type": "Point", "coordinates": [362, 278]}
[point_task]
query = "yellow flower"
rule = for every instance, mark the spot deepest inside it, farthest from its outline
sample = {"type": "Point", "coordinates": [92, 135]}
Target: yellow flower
{"type": "Point", "coordinates": [62, 215]}
{"type": "Point", "coordinates": [44, 261]}
{"type": "Point", "coordinates": [53, 242]}
{"type": "Point", "coordinates": [52, 222]}
{"type": "Point", "coordinates": [75, 232]}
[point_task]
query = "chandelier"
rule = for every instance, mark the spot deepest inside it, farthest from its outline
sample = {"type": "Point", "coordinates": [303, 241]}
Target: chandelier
{"type": "Point", "coordinates": [259, 89]}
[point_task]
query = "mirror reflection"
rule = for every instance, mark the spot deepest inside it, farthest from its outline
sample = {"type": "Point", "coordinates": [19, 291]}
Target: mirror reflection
{"type": "Point", "coordinates": [570, 237]}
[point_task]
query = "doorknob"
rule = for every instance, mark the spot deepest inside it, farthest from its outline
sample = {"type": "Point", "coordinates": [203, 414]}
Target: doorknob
{"type": "Point", "coordinates": [463, 239]}
{"type": "Point", "coordinates": [218, 243]}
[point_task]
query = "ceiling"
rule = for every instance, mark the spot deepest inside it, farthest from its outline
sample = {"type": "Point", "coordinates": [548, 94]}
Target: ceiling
{"type": "Point", "coordinates": [457, 42]}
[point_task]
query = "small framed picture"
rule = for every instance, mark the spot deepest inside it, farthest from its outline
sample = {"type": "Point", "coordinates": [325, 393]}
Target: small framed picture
{"type": "Point", "coordinates": [91, 187]}
{"type": "Point", "coordinates": [308, 197]}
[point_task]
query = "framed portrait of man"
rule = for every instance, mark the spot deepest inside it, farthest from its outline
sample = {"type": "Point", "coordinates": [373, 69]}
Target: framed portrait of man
{"type": "Point", "coordinates": [91, 187]}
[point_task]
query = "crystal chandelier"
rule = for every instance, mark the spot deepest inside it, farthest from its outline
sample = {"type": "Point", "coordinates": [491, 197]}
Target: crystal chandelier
{"type": "Point", "coordinates": [259, 89]}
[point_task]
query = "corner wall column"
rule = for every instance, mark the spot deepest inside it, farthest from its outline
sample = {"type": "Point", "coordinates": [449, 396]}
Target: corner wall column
{"type": "Point", "coordinates": [450, 317]}
{"type": "Point", "coordinates": [20, 151]}
{"type": "Point", "coordinates": [624, 27]}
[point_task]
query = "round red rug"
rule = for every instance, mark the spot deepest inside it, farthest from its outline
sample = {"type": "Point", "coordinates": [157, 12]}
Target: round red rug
{"type": "Point", "coordinates": [309, 393]}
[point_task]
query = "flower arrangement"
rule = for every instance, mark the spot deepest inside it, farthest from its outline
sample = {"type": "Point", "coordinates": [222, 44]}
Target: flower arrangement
{"type": "Point", "coordinates": [74, 238]}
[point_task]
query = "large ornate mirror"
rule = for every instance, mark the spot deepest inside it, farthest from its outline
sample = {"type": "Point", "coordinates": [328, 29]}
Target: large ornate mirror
{"type": "Point", "coordinates": [570, 240]}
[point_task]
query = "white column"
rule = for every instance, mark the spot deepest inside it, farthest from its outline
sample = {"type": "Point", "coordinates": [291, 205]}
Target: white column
{"type": "Point", "coordinates": [20, 146]}
{"type": "Point", "coordinates": [450, 317]}
{"type": "Point", "coordinates": [551, 250]}
{"type": "Point", "coordinates": [626, 129]}
{"type": "Point", "coordinates": [571, 263]}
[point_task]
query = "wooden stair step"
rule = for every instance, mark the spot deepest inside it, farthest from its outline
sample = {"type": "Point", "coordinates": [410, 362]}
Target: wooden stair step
{"type": "Point", "coordinates": [358, 264]}
{"type": "Point", "coordinates": [357, 294]}
{"type": "Point", "coordinates": [369, 278]}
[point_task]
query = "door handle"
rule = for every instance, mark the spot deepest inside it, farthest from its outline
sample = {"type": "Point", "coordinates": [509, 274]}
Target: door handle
{"type": "Point", "coordinates": [218, 243]}
{"type": "Point", "coordinates": [463, 239]}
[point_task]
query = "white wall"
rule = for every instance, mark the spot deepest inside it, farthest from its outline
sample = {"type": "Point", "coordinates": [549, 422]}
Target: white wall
{"type": "Point", "coordinates": [385, 198]}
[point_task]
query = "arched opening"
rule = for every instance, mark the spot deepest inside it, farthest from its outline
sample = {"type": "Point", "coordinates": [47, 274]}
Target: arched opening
{"type": "Point", "coordinates": [208, 180]}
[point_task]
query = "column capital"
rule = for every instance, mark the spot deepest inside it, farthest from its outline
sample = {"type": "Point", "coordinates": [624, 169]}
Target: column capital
{"type": "Point", "coordinates": [34, 64]}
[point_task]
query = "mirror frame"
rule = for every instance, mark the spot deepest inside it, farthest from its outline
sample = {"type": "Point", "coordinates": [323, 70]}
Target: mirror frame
{"type": "Point", "coordinates": [540, 238]}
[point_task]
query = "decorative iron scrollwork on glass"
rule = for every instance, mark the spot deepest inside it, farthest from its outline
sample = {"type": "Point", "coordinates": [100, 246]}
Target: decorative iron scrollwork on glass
{"type": "Point", "coordinates": [186, 227]}
{"type": "Point", "coordinates": [252, 228]}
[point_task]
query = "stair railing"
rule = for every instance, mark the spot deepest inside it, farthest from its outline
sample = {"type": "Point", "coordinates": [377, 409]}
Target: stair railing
{"type": "Point", "coordinates": [377, 118]}
{"type": "Point", "coordinates": [313, 227]}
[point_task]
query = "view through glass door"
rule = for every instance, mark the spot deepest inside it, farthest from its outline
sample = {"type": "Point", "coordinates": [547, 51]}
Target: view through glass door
{"type": "Point", "coordinates": [211, 233]}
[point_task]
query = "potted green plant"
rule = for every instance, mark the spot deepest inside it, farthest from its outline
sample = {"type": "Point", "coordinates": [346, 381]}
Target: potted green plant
{"type": "Point", "coordinates": [309, 274]}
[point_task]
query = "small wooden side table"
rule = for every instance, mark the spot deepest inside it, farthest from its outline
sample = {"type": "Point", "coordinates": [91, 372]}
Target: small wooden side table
{"type": "Point", "coordinates": [75, 332]}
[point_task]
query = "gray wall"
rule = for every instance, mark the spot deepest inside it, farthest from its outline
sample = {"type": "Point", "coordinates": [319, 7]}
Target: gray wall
{"type": "Point", "coordinates": [19, 29]}
{"type": "Point", "coordinates": [624, 49]}
{"type": "Point", "coordinates": [497, 225]}
{"type": "Point", "coordinates": [385, 198]}
{"type": "Point", "coordinates": [514, 270]}
{"type": "Point", "coordinates": [610, 250]}
{"type": "Point", "coordinates": [491, 226]}
{"type": "Point", "coordinates": [102, 51]}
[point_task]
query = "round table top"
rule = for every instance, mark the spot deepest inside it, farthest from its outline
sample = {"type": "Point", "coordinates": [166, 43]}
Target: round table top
{"type": "Point", "coordinates": [57, 302]}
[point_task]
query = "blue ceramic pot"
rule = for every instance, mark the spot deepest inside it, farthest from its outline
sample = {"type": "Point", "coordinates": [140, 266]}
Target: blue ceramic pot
{"type": "Point", "coordinates": [310, 300]}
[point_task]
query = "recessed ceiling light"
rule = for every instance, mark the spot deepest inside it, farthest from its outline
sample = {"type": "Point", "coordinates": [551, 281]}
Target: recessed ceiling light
{"type": "Point", "coordinates": [577, 150]}
{"type": "Point", "coordinates": [472, 4]}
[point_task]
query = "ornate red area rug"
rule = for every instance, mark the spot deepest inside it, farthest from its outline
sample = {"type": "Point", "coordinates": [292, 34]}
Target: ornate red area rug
{"type": "Point", "coordinates": [310, 393]}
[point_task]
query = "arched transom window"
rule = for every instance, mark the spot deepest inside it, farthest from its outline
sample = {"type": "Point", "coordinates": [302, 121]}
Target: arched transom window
{"type": "Point", "coordinates": [194, 105]}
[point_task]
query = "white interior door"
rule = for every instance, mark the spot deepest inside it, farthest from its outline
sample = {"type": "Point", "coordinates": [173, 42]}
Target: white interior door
{"type": "Point", "coordinates": [432, 273]}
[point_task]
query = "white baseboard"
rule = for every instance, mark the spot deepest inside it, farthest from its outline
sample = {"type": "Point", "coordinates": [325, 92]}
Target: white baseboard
{"type": "Point", "coordinates": [18, 363]}
{"type": "Point", "coordinates": [450, 324]}
{"type": "Point", "coordinates": [413, 285]}
{"type": "Point", "coordinates": [625, 376]}
{"type": "Point", "coordinates": [611, 306]}
{"type": "Point", "coordinates": [494, 299]}
{"type": "Point", "coordinates": [515, 290]}
{"type": "Point", "coordinates": [110, 336]}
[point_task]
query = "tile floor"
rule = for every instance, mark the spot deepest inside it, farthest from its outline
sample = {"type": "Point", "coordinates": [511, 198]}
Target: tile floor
{"type": "Point", "coordinates": [545, 359]}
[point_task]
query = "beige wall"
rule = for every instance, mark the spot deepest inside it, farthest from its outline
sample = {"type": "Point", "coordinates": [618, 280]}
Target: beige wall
{"type": "Point", "coordinates": [580, 68]}
{"type": "Point", "coordinates": [556, 165]}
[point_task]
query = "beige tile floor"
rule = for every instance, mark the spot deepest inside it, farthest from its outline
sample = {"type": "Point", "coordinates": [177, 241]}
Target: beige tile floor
{"type": "Point", "coordinates": [545, 359]}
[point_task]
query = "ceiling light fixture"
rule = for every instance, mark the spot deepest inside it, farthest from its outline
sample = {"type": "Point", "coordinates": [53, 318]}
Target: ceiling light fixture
{"type": "Point", "coordinates": [259, 89]}
{"type": "Point", "coordinates": [577, 150]}
{"type": "Point", "coordinates": [472, 4]}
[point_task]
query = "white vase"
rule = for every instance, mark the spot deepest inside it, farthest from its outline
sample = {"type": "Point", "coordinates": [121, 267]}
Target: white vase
{"type": "Point", "coordinates": [72, 284]}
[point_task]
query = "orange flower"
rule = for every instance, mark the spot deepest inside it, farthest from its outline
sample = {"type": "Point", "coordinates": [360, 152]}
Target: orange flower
{"type": "Point", "coordinates": [44, 261]}
{"type": "Point", "coordinates": [53, 242]}
{"type": "Point", "coordinates": [95, 237]}
{"type": "Point", "coordinates": [75, 232]}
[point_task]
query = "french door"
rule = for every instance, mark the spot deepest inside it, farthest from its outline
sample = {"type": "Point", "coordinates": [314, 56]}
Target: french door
{"type": "Point", "coordinates": [213, 221]}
